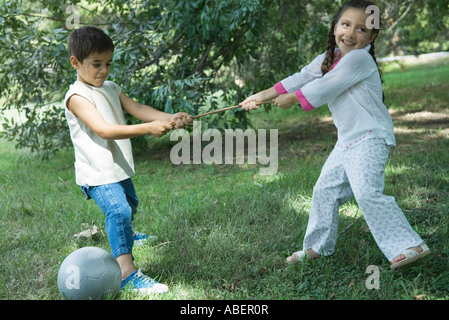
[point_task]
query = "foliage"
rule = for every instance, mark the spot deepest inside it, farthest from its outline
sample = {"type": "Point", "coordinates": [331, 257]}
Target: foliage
{"type": "Point", "coordinates": [178, 55]}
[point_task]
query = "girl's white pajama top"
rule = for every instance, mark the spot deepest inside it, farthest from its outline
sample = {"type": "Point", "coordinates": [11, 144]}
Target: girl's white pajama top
{"type": "Point", "coordinates": [353, 92]}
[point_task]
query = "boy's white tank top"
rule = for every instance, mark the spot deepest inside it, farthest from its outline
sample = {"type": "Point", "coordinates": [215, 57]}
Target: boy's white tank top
{"type": "Point", "coordinates": [99, 161]}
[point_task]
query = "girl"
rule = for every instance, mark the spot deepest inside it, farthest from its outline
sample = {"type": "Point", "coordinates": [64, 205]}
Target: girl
{"type": "Point", "coordinates": [349, 81]}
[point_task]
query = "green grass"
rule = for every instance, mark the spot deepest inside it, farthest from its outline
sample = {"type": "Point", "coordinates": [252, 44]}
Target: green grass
{"type": "Point", "coordinates": [224, 231]}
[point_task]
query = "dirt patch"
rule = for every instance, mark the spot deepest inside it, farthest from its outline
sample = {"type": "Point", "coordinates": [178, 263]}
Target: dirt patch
{"type": "Point", "coordinates": [420, 131]}
{"type": "Point", "coordinates": [423, 119]}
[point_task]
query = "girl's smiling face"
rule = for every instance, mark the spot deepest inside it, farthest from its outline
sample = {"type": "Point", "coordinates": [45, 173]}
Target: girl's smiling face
{"type": "Point", "coordinates": [351, 31]}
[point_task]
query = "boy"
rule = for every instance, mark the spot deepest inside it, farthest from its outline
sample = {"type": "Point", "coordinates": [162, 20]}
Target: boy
{"type": "Point", "coordinates": [103, 156]}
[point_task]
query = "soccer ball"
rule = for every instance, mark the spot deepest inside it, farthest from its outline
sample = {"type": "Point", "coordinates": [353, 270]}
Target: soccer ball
{"type": "Point", "coordinates": [89, 273]}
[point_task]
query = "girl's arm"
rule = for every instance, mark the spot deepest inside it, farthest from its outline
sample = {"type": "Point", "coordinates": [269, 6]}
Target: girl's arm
{"type": "Point", "coordinates": [309, 73]}
{"type": "Point", "coordinates": [264, 95]}
{"type": "Point", "coordinates": [354, 67]}
{"type": "Point", "coordinates": [285, 101]}
{"type": "Point", "coordinates": [86, 111]}
{"type": "Point", "coordinates": [281, 92]}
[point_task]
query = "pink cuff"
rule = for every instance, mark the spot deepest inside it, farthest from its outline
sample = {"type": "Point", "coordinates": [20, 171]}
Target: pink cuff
{"type": "Point", "coordinates": [280, 88]}
{"type": "Point", "coordinates": [305, 104]}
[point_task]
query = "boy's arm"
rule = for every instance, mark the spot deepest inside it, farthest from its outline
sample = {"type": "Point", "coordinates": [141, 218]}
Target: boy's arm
{"type": "Point", "coordinates": [142, 112]}
{"type": "Point", "coordinates": [86, 111]}
{"type": "Point", "coordinates": [149, 114]}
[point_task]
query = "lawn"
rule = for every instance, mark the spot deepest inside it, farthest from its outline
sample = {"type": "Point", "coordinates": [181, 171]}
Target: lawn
{"type": "Point", "coordinates": [224, 231]}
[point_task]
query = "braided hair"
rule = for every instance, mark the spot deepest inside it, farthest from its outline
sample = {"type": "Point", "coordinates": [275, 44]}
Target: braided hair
{"type": "Point", "coordinates": [331, 44]}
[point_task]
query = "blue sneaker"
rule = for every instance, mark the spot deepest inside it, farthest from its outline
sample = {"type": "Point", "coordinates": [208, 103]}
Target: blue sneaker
{"type": "Point", "coordinates": [141, 238]}
{"type": "Point", "coordinates": [141, 283]}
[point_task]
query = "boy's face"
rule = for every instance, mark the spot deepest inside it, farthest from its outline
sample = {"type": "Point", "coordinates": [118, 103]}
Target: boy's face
{"type": "Point", "coordinates": [351, 31]}
{"type": "Point", "coordinates": [95, 68]}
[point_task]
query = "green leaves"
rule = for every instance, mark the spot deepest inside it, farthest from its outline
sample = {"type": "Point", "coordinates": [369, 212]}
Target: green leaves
{"type": "Point", "coordinates": [178, 95]}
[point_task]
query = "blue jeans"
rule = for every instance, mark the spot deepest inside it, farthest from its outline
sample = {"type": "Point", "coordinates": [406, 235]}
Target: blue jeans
{"type": "Point", "coordinates": [118, 202]}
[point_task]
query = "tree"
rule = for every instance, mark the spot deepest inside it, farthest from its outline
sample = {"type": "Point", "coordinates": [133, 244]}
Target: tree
{"type": "Point", "coordinates": [173, 55]}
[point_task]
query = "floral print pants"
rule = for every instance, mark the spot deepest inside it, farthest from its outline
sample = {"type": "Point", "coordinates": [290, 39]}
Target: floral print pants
{"type": "Point", "coordinates": [358, 172]}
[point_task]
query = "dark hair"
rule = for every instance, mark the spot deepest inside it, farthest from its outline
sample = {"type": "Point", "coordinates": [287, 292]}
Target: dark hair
{"type": "Point", "coordinates": [87, 40]}
{"type": "Point", "coordinates": [331, 44]}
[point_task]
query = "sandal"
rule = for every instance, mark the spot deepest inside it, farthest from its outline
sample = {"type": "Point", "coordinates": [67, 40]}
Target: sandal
{"type": "Point", "coordinates": [411, 256]}
{"type": "Point", "coordinates": [296, 257]}
{"type": "Point", "coordinates": [300, 256]}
